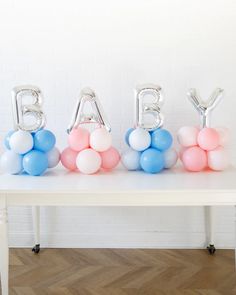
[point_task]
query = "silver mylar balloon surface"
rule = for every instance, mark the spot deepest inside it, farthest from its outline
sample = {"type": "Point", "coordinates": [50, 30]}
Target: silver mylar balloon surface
{"type": "Point", "coordinates": [21, 110]}
{"type": "Point", "coordinates": [151, 109]}
{"type": "Point", "coordinates": [87, 95]}
{"type": "Point", "coordinates": [205, 107]}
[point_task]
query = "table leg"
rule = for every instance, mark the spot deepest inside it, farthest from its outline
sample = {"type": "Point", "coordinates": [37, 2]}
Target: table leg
{"type": "Point", "coordinates": [209, 218]}
{"type": "Point", "coordinates": [36, 226]}
{"type": "Point", "coordinates": [4, 250]}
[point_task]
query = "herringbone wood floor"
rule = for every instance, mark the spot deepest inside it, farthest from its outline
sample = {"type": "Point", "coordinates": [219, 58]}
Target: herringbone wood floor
{"type": "Point", "coordinates": [121, 272]}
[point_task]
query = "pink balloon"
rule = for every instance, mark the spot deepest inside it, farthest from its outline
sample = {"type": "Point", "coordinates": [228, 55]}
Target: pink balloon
{"type": "Point", "coordinates": [78, 139]}
{"type": "Point", "coordinates": [88, 161]}
{"type": "Point", "coordinates": [110, 158]}
{"type": "Point", "coordinates": [68, 159]}
{"type": "Point", "coordinates": [187, 136]}
{"type": "Point", "coordinates": [224, 135]}
{"type": "Point", "coordinates": [218, 159]}
{"type": "Point", "coordinates": [194, 159]}
{"type": "Point", "coordinates": [208, 139]}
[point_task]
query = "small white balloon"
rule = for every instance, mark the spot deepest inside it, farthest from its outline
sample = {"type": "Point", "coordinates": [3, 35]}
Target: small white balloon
{"type": "Point", "coordinates": [140, 139]}
{"type": "Point", "coordinates": [187, 136]}
{"type": "Point", "coordinates": [21, 142]}
{"type": "Point", "coordinates": [100, 140]}
{"type": "Point", "coordinates": [170, 158]}
{"type": "Point", "coordinates": [218, 159]}
{"type": "Point", "coordinates": [88, 161]}
{"type": "Point", "coordinates": [224, 135]}
{"type": "Point", "coordinates": [53, 157]}
{"type": "Point", "coordinates": [131, 159]}
{"type": "Point", "coordinates": [11, 162]}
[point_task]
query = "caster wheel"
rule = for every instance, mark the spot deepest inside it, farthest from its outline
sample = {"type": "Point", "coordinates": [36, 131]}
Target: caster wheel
{"type": "Point", "coordinates": [36, 249]}
{"type": "Point", "coordinates": [211, 249]}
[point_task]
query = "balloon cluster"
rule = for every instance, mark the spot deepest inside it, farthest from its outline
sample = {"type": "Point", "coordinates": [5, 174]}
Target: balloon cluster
{"type": "Point", "coordinates": [203, 148]}
{"type": "Point", "coordinates": [29, 152]}
{"type": "Point", "coordinates": [149, 150]}
{"type": "Point", "coordinates": [88, 153]}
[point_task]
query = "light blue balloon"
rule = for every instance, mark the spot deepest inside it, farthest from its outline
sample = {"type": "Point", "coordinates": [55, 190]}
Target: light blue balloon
{"type": "Point", "coordinates": [152, 161]}
{"type": "Point", "coordinates": [127, 135]}
{"type": "Point", "coordinates": [161, 139]}
{"type": "Point", "coordinates": [131, 159]}
{"type": "Point", "coordinates": [7, 138]}
{"type": "Point", "coordinates": [35, 163]}
{"type": "Point", "coordinates": [44, 140]}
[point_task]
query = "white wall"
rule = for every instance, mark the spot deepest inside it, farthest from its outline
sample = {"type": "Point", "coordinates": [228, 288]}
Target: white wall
{"type": "Point", "coordinates": [111, 46]}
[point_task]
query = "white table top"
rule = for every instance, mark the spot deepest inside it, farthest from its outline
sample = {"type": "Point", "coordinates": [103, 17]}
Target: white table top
{"type": "Point", "coordinates": [122, 188]}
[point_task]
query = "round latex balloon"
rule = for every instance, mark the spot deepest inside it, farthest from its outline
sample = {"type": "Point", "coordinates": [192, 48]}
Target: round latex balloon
{"type": "Point", "coordinates": [152, 161]}
{"type": "Point", "coordinates": [11, 163]}
{"type": "Point", "coordinates": [208, 139]}
{"type": "Point", "coordinates": [139, 139]}
{"type": "Point", "coordinates": [131, 159]}
{"type": "Point", "coordinates": [21, 142]}
{"type": "Point", "coordinates": [170, 157]}
{"type": "Point", "coordinates": [187, 136]}
{"type": "Point", "coordinates": [68, 159]}
{"type": "Point", "coordinates": [194, 159]}
{"type": "Point", "coordinates": [44, 140]}
{"type": "Point", "coordinates": [127, 135]}
{"type": "Point", "coordinates": [7, 139]}
{"type": "Point", "coordinates": [224, 135]}
{"type": "Point", "coordinates": [35, 163]}
{"type": "Point", "coordinates": [88, 161]}
{"type": "Point", "coordinates": [110, 158]}
{"type": "Point", "coordinates": [100, 140]}
{"type": "Point", "coordinates": [53, 157]}
{"type": "Point", "coordinates": [218, 159]}
{"type": "Point", "coordinates": [161, 139]}
{"type": "Point", "coordinates": [78, 139]}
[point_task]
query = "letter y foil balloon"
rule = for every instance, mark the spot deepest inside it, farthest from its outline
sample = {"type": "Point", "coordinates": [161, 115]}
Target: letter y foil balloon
{"type": "Point", "coordinates": [29, 147]}
{"type": "Point", "coordinates": [150, 145]}
{"type": "Point", "coordinates": [88, 152]}
{"type": "Point", "coordinates": [204, 147]}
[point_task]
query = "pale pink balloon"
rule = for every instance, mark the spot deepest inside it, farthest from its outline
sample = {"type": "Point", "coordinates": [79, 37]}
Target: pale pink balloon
{"type": "Point", "coordinates": [218, 159]}
{"type": "Point", "coordinates": [110, 158]}
{"type": "Point", "coordinates": [224, 135]}
{"type": "Point", "coordinates": [100, 139]}
{"type": "Point", "coordinates": [208, 139]}
{"type": "Point", "coordinates": [187, 136]}
{"type": "Point", "coordinates": [68, 159]}
{"type": "Point", "coordinates": [78, 139]}
{"type": "Point", "coordinates": [194, 159]}
{"type": "Point", "coordinates": [88, 161]}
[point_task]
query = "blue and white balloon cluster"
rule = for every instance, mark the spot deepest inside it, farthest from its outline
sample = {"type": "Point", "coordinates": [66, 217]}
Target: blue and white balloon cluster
{"type": "Point", "coordinates": [29, 152]}
{"type": "Point", "coordinates": [149, 150]}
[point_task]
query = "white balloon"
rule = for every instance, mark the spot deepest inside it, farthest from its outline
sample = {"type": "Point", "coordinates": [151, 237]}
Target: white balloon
{"type": "Point", "coordinates": [224, 135]}
{"type": "Point", "coordinates": [100, 140]}
{"type": "Point", "coordinates": [187, 136]}
{"type": "Point", "coordinates": [170, 158]}
{"type": "Point", "coordinates": [88, 161]}
{"type": "Point", "coordinates": [218, 159]}
{"type": "Point", "coordinates": [53, 157]}
{"type": "Point", "coordinates": [140, 139]}
{"type": "Point", "coordinates": [21, 142]}
{"type": "Point", "coordinates": [131, 159]}
{"type": "Point", "coordinates": [11, 162]}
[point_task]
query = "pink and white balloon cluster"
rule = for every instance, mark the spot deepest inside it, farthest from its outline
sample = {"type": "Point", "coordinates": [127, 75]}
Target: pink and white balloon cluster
{"type": "Point", "coordinates": [29, 152]}
{"type": "Point", "coordinates": [204, 148]}
{"type": "Point", "coordinates": [88, 153]}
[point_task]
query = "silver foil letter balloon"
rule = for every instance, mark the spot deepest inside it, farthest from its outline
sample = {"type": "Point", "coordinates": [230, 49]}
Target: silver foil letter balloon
{"type": "Point", "coordinates": [149, 100]}
{"type": "Point", "coordinates": [23, 109]}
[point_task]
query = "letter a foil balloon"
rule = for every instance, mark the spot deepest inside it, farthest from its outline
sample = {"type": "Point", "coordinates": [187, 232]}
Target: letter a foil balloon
{"type": "Point", "coordinates": [205, 147]}
{"type": "Point", "coordinates": [29, 147]}
{"type": "Point", "coordinates": [149, 144]}
{"type": "Point", "coordinates": [89, 151]}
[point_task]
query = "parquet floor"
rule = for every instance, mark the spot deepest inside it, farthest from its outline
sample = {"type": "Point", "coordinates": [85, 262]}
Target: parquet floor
{"type": "Point", "coordinates": [121, 272]}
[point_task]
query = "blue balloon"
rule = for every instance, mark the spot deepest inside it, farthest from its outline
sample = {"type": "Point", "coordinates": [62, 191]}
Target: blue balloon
{"type": "Point", "coordinates": [44, 140]}
{"type": "Point", "coordinates": [152, 161]}
{"type": "Point", "coordinates": [127, 135]}
{"type": "Point", "coordinates": [7, 138]}
{"type": "Point", "coordinates": [161, 139]}
{"type": "Point", "coordinates": [35, 163]}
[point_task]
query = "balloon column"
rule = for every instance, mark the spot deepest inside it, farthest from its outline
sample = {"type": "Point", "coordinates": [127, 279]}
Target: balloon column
{"type": "Point", "coordinates": [89, 152]}
{"type": "Point", "coordinates": [29, 147]}
{"type": "Point", "coordinates": [204, 147]}
{"type": "Point", "coordinates": [149, 144]}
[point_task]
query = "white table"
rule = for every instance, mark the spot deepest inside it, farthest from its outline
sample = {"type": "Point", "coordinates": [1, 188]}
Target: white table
{"type": "Point", "coordinates": [118, 188]}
